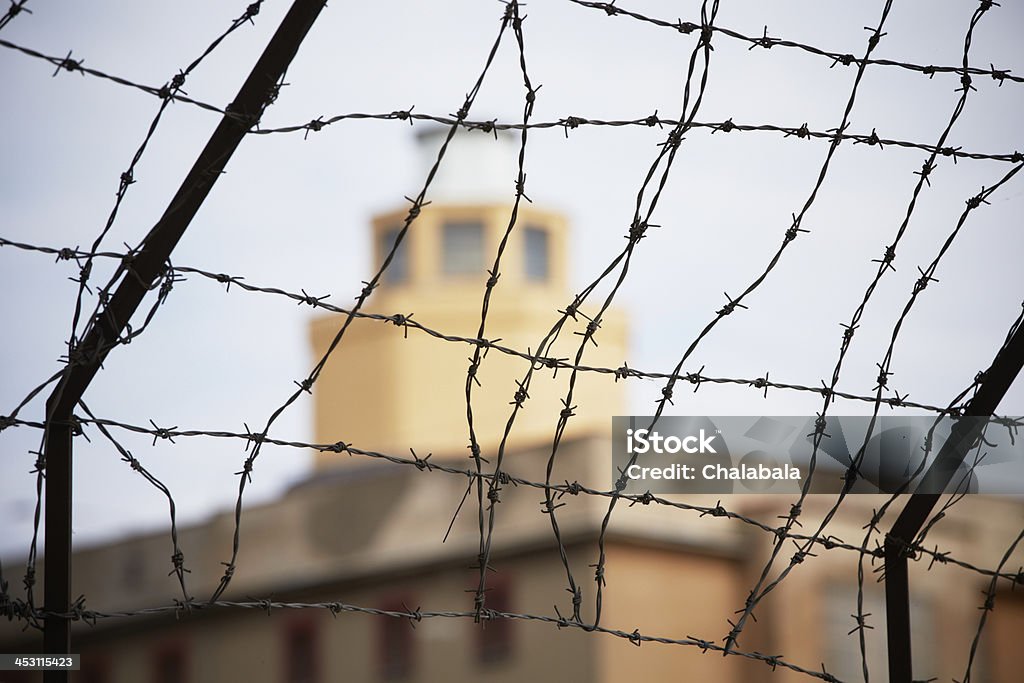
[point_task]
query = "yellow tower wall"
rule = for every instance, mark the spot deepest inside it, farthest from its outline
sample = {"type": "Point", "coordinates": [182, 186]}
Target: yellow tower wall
{"type": "Point", "coordinates": [389, 389]}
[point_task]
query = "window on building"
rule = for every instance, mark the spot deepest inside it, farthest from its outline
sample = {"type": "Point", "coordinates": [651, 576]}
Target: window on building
{"type": "Point", "coordinates": [20, 677]}
{"type": "Point", "coordinates": [301, 652]}
{"type": "Point", "coordinates": [537, 254]}
{"type": "Point", "coordinates": [395, 643]}
{"type": "Point", "coordinates": [494, 637]}
{"type": "Point", "coordinates": [133, 571]}
{"type": "Point", "coordinates": [398, 269]}
{"type": "Point", "coordinates": [170, 665]}
{"type": "Point", "coordinates": [463, 248]}
{"type": "Point", "coordinates": [95, 668]}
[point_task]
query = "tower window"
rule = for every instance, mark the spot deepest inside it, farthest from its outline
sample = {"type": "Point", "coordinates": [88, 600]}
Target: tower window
{"type": "Point", "coordinates": [169, 665]}
{"type": "Point", "coordinates": [132, 572]}
{"type": "Point", "coordinates": [95, 669]}
{"type": "Point", "coordinates": [395, 643]}
{"type": "Point", "coordinates": [398, 269]}
{"type": "Point", "coordinates": [463, 244]}
{"type": "Point", "coordinates": [537, 254]}
{"type": "Point", "coordinates": [301, 652]}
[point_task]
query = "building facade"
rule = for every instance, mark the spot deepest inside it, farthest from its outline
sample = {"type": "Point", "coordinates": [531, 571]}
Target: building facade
{"type": "Point", "coordinates": [363, 531]}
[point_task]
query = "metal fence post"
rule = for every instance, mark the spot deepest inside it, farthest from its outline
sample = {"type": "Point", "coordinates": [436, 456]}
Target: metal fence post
{"type": "Point", "coordinates": [106, 328]}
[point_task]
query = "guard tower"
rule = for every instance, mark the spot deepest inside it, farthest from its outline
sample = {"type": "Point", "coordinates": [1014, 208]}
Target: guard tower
{"type": "Point", "coordinates": [389, 389]}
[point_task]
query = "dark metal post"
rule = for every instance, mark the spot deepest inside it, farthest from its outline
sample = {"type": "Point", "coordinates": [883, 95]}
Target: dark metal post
{"type": "Point", "coordinates": [997, 381]}
{"type": "Point", "coordinates": [258, 91]}
{"type": "Point", "coordinates": [57, 570]}
{"type": "Point", "coordinates": [897, 612]}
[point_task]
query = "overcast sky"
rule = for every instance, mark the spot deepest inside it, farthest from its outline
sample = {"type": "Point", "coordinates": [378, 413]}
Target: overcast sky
{"type": "Point", "coordinates": [293, 213]}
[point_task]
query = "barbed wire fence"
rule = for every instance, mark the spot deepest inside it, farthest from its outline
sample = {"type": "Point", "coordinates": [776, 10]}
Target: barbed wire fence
{"type": "Point", "coordinates": [146, 270]}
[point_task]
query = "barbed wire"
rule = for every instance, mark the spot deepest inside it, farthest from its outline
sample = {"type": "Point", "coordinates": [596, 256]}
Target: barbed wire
{"type": "Point", "coordinates": [767, 42]}
{"type": "Point", "coordinates": [567, 123]}
{"type": "Point", "coordinates": [570, 123]}
{"type": "Point", "coordinates": [504, 478]}
{"type": "Point", "coordinates": [763, 587]}
{"type": "Point", "coordinates": [181, 608]}
{"type": "Point", "coordinates": [408, 321]}
{"type": "Point", "coordinates": [70, 65]}
{"type": "Point", "coordinates": [490, 481]}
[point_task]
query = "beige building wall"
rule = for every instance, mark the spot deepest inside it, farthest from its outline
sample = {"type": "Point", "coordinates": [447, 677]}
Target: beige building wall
{"type": "Point", "coordinates": [664, 592]}
{"type": "Point", "coordinates": [808, 618]}
{"type": "Point", "coordinates": [669, 573]}
{"type": "Point", "coordinates": [251, 646]}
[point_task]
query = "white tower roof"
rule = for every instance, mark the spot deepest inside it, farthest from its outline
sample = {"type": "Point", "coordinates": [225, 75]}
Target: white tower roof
{"type": "Point", "coordinates": [478, 167]}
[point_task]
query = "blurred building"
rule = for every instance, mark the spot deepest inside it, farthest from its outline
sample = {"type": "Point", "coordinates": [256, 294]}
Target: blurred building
{"type": "Point", "coordinates": [363, 531]}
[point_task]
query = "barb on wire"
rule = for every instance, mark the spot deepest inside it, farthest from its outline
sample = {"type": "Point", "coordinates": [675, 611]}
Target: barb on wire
{"type": "Point", "coordinates": [14, 9]}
